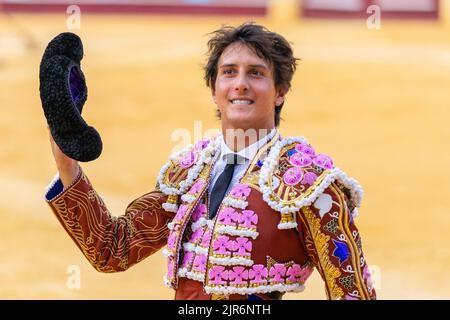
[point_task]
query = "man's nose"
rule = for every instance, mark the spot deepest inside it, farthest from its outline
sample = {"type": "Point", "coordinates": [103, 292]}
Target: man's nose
{"type": "Point", "coordinates": [241, 84]}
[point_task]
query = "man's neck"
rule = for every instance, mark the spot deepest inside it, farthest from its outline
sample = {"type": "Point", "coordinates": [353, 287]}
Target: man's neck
{"type": "Point", "coordinates": [237, 138]}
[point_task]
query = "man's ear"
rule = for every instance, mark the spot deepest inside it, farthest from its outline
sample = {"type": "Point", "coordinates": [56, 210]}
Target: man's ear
{"type": "Point", "coordinates": [279, 99]}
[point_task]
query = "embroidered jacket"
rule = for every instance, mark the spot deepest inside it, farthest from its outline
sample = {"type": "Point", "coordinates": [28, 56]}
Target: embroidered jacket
{"type": "Point", "coordinates": [292, 211]}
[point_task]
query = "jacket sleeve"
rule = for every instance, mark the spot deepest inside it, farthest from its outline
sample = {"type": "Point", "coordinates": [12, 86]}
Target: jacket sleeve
{"type": "Point", "coordinates": [333, 244]}
{"type": "Point", "coordinates": [111, 244]}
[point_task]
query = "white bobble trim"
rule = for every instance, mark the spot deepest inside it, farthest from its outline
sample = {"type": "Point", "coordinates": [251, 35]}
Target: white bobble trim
{"type": "Point", "coordinates": [170, 207]}
{"type": "Point", "coordinates": [233, 231]}
{"type": "Point", "coordinates": [235, 203]}
{"type": "Point", "coordinates": [231, 261]}
{"type": "Point", "coordinates": [198, 224]}
{"type": "Point", "coordinates": [171, 225]}
{"type": "Point", "coordinates": [201, 250]}
{"type": "Point", "coordinates": [182, 272]}
{"type": "Point", "coordinates": [167, 282]}
{"type": "Point", "coordinates": [167, 253]}
{"type": "Point", "coordinates": [188, 198]}
{"type": "Point", "coordinates": [204, 156]}
{"type": "Point", "coordinates": [227, 290]}
{"type": "Point", "coordinates": [287, 225]}
{"type": "Point", "coordinates": [188, 246]}
{"type": "Point", "coordinates": [198, 276]}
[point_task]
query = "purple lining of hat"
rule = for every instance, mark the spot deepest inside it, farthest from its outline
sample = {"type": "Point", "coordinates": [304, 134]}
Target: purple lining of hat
{"type": "Point", "coordinates": [75, 84]}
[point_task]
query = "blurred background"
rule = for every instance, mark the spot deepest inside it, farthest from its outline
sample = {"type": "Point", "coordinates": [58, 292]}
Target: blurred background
{"type": "Point", "coordinates": [372, 90]}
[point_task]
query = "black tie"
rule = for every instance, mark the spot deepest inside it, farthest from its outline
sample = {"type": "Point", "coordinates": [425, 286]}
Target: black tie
{"type": "Point", "coordinates": [221, 186]}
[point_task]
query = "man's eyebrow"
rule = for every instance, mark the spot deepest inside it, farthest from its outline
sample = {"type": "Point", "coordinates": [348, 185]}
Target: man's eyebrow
{"type": "Point", "coordinates": [228, 65]}
{"type": "Point", "coordinates": [225, 65]}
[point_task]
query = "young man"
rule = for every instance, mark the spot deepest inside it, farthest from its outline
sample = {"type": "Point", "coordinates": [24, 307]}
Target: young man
{"type": "Point", "coordinates": [244, 215]}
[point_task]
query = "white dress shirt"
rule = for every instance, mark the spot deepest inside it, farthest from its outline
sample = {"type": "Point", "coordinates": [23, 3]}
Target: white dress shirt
{"type": "Point", "coordinates": [245, 156]}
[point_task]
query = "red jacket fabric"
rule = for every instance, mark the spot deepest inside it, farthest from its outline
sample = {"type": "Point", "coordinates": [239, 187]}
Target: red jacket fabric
{"type": "Point", "coordinates": [291, 212]}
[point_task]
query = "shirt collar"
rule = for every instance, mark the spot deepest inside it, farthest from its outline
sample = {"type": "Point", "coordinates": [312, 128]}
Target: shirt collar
{"type": "Point", "coordinates": [248, 153]}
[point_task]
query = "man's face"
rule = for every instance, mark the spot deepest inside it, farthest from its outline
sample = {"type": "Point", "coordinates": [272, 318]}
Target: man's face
{"type": "Point", "coordinates": [245, 89]}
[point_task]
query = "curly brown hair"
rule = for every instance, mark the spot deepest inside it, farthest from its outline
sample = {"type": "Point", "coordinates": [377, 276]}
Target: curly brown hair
{"type": "Point", "coordinates": [268, 45]}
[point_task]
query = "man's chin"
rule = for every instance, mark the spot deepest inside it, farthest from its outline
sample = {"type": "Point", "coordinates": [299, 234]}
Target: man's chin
{"type": "Point", "coordinates": [240, 123]}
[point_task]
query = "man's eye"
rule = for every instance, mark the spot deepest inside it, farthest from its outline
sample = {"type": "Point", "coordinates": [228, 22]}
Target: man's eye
{"type": "Point", "coordinates": [256, 73]}
{"type": "Point", "coordinates": [228, 71]}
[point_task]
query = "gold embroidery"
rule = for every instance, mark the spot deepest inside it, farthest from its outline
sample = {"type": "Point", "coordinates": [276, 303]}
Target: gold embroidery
{"type": "Point", "coordinates": [330, 272]}
{"type": "Point", "coordinates": [252, 180]}
{"type": "Point", "coordinates": [302, 192]}
{"type": "Point", "coordinates": [348, 282]}
{"type": "Point", "coordinates": [288, 195]}
{"type": "Point", "coordinates": [354, 254]}
{"type": "Point", "coordinates": [219, 297]}
{"type": "Point", "coordinates": [147, 205]}
{"type": "Point", "coordinates": [279, 191]}
{"type": "Point", "coordinates": [331, 226]}
{"type": "Point", "coordinates": [123, 262]}
{"type": "Point", "coordinates": [359, 244]}
{"type": "Point", "coordinates": [309, 244]}
{"type": "Point", "coordinates": [172, 199]}
{"type": "Point", "coordinates": [287, 217]}
{"type": "Point", "coordinates": [204, 174]}
{"type": "Point", "coordinates": [92, 195]}
{"type": "Point", "coordinates": [91, 226]}
{"type": "Point", "coordinates": [251, 177]}
{"type": "Point", "coordinates": [174, 175]}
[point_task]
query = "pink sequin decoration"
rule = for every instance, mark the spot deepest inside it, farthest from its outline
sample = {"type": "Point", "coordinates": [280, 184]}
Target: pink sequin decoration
{"type": "Point", "coordinates": [197, 187]}
{"type": "Point", "coordinates": [232, 245]}
{"type": "Point", "coordinates": [171, 240]}
{"type": "Point", "coordinates": [196, 235]}
{"type": "Point", "coordinates": [300, 160]}
{"type": "Point", "coordinates": [244, 246]}
{"type": "Point", "coordinates": [293, 273]}
{"type": "Point", "coordinates": [188, 160]}
{"type": "Point", "coordinates": [309, 178]}
{"type": "Point", "coordinates": [187, 259]}
{"type": "Point", "coordinates": [305, 149]}
{"type": "Point", "coordinates": [323, 161]}
{"type": "Point", "coordinates": [198, 212]}
{"type": "Point", "coordinates": [218, 275]}
{"type": "Point", "coordinates": [293, 176]}
{"type": "Point", "coordinates": [200, 145]}
{"type": "Point", "coordinates": [220, 245]}
{"type": "Point", "coordinates": [248, 219]}
{"type": "Point", "coordinates": [277, 273]}
{"type": "Point", "coordinates": [170, 266]}
{"type": "Point", "coordinates": [206, 238]}
{"type": "Point", "coordinates": [258, 274]}
{"type": "Point", "coordinates": [240, 191]}
{"type": "Point", "coordinates": [239, 275]}
{"type": "Point", "coordinates": [228, 216]}
{"type": "Point", "coordinates": [182, 210]}
{"type": "Point", "coordinates": [200, 263]}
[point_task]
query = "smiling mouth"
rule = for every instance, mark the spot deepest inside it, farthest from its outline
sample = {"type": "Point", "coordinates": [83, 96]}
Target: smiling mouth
{"type": "Point", "coordinates": [241, 101]}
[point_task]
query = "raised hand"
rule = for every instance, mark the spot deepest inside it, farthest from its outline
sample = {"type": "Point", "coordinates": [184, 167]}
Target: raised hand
{"type": "Point", "coordinates": [68, 168]}
{"type": "Point", "coordinates": [63, 93]}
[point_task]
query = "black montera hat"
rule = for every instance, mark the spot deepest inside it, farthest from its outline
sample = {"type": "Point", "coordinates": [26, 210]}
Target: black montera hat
{"type": "Point", "coordinates": [63, 93]}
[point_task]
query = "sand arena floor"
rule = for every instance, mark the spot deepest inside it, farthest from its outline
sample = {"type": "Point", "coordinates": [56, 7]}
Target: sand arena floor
{"type": "Point", "coordinates": [377, 101]}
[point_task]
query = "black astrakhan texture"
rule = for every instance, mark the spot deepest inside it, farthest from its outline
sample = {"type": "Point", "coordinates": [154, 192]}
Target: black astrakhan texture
{"type": "Point", "coordinates": [71, 133]}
